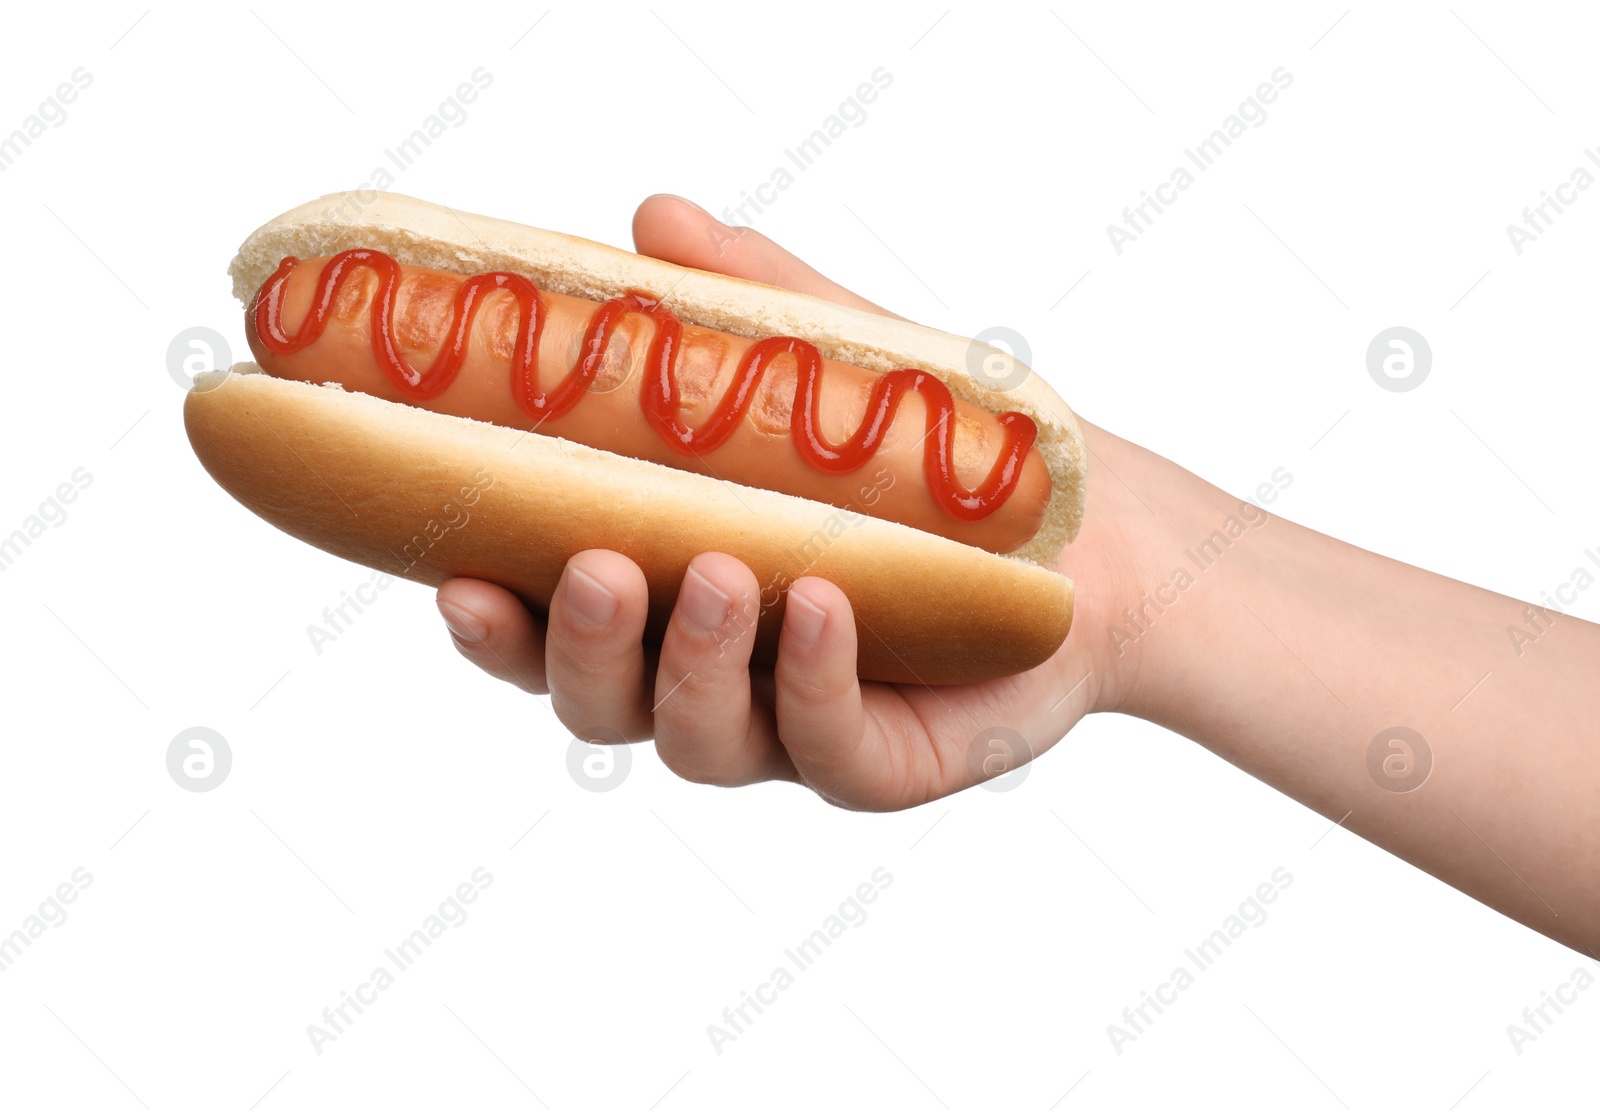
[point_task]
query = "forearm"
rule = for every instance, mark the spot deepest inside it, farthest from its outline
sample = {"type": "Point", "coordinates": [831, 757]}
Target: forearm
{"type": "Point", "coordinates": [1288, 653]}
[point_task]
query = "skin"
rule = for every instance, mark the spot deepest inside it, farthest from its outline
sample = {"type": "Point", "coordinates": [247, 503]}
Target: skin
{"type": "Point", "coordinates": [1287, 658]}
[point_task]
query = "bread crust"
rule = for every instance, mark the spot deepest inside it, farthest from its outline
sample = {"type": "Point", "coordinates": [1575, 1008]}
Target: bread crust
{"type": "Point", "coordinates": [428, 496]}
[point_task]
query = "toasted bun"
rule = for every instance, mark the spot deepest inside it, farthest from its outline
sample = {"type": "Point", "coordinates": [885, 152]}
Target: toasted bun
{"type": "Point", "coordinates": [429, 496]}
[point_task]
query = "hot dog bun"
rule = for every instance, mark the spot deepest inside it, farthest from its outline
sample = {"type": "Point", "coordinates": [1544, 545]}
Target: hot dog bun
{"type": "Point", "coordinates": [386, 484]}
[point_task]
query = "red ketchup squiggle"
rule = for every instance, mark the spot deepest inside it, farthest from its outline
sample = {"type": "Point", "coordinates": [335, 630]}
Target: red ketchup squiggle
{"type": "Point", "coordinates": [660, 393]}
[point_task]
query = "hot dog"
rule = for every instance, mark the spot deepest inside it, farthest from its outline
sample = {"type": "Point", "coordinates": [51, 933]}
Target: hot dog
{"type": "Point", "coordinates": [712, 402]}
{"type": "Point", "coordinates": [406, 350]}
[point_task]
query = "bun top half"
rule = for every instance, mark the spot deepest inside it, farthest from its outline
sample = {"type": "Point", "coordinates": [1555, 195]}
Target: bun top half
{"type": "Point", "coordinates": [429, 235]}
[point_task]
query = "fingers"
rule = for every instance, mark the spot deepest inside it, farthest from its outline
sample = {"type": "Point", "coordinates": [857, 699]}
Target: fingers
{"type": "Point", "coordinates": [820, 716]}
{"type": "Point", "coordinates": [674, 229]}
{"type": "Point", "coordinates": [495, 632]}
{"type": "Point", "coordinates": [696, 700]}
{"type": "Point", "coordinates": [594, 652]}
{"type": "Point", "coordinates": [706, 728]}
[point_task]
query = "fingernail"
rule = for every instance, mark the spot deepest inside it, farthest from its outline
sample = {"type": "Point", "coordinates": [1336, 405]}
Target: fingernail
{"type": "Point", "coordinates": [703, 605]}
{"type": "Point", "coordinates": [463, 624]}
{"type": "Point", "coordinates": [589, 599]}
{"type": "Point", "coordinates": [690, 202]}
{"type": "Point", "coordinates": [803, 618]}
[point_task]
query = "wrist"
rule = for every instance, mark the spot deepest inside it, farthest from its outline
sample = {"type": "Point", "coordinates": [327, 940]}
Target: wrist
{"type": "Point", "coordinates": [1159, 546]}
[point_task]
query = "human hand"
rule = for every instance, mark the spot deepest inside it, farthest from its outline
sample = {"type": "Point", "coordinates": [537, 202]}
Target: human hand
{"type": "Point", "coordinates": [859, 744]}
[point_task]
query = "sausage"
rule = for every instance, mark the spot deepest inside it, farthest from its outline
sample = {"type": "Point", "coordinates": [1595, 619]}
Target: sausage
{"type": "Point", "coordinates": [627, 377]}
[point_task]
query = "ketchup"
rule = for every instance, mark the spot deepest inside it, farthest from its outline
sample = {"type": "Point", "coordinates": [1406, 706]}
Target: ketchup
{"type": "Point", "coordinates": [659, 398]}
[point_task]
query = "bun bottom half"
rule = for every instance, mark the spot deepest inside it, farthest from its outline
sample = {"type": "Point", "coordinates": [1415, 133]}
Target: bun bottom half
{"type": "Point", "coordinates": [429, 497]}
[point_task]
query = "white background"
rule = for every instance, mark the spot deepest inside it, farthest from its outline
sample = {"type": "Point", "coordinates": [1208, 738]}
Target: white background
{"type": "Point", "coordinates": [371, 778]}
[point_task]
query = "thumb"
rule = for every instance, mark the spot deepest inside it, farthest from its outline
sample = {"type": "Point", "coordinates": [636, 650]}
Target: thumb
{"type": "Point", "coordinates": [674, 229]}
